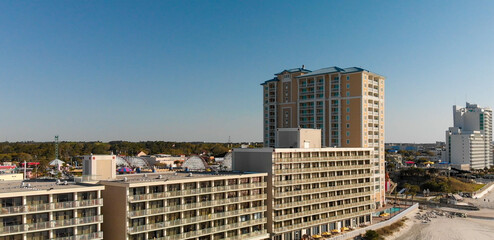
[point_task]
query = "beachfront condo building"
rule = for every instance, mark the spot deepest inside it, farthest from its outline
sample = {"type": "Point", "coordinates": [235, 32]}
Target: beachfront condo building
{"type": "Point", "coordinates": [312, 190]}
{"type": "Point", "coordinates": [468, 142]}
{"type": "Point", "coordinates": [50, 210]}
{"type": "Point", "coordinates": [192, 206]}
{"type": "Point", "coordinates": [347, 104]}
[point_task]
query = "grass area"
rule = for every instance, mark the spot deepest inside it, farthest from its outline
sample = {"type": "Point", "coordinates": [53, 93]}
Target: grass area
{"type": "Point", "coordinates": [460, 186]}
{"type": "Point", "coordinates": [388, 230]}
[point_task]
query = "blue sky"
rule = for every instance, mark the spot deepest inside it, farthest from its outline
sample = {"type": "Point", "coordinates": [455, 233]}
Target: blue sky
{"type": "Point", "coordinates": [190, 70]}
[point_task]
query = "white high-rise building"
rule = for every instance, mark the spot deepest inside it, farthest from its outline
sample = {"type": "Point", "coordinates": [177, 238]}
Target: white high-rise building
{"type": "Point", "coordinates": [468, 142]}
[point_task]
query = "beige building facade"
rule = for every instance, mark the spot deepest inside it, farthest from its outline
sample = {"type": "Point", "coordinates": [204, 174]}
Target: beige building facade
{"type": "Point", "coordinates": [314, 190]}
{"type": "Point", "coordinates": [99, 167]}
{"type": "Point", "coordinates": [193, 206]}
{"type": "Point", "coordinates": [46, 210]}
{"type": "Point", "coordinates": [347, 104]}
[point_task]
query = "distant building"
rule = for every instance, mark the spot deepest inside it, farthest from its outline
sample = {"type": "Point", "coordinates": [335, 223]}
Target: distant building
{"type": "Point", "coordinates": [469, 140]}
{"type": "Point", "coordinates": [225, 162]}
{"type": "Point", "coordinates": [167, 159]}
{"type": "Point", "coordinates": [195, 163]}
{"type": "Point", "coordinates": [141, 154]}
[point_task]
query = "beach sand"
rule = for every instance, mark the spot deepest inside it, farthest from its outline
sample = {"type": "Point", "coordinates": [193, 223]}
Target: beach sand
{"type": "Point", "coordinates": [443, 228]}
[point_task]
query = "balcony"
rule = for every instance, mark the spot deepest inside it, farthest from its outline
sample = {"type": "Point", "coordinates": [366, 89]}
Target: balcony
{"type": "Point", "coordinates": [318, 190]}
{"type": "Point", "coordinates": [197, 191]}
{"type": "Point", "coordinates": [323, 200]}
{"type": "Point", "coordinates": [199, 232]}
{"type": "Point", "coordinates": [89, 236]}
{"type": "Point", "coordinates": [320, 179]}
{"type": "Point", "coordinates": [50, 224]}
{"type": "Point", "coordinates": [319, 159]}
{"type": "Point", "coordinates": [321, 169]}
{"type": "Point", "coordinates": [320, 221]}
{"type": "Point", "coordinates": [31, 208]}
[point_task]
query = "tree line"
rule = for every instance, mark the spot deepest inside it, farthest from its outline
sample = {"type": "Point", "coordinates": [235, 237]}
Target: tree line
{"type": "Point", "coordinates": [45, 151]}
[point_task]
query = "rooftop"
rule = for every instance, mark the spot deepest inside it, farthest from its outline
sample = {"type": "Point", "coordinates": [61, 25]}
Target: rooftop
{"type": "Point", "coordinates": [293, 70]}
{"type": "Point", "coordinates": [39, 185]}
{"type": "Point", "coordinates": [174, 176]}
{"type": "Point", "coordinates": [334, 70]}
{"type": "Point", "coordinates": [325, 149]}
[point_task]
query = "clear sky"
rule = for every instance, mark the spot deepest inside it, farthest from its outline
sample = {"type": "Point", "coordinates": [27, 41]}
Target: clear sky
{"type": "Point", "coordinates": [190, 70]}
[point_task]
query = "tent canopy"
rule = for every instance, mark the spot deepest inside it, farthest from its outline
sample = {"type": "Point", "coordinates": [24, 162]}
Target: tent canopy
{"type": "Point", "coordinates": [56, 162]}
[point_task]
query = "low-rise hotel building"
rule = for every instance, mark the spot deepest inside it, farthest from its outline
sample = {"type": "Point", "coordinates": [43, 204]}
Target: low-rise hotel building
{"type": "Point", "coordinates": [195, 206]}
{"type": "Point", "coordinates": [50, 210]}
{"type": "Point", "coordinates": [313, 190]}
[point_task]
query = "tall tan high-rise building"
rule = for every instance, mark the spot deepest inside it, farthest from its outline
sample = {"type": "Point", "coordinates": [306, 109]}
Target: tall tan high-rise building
{"type": "Point", "coordinates": [347, 104]}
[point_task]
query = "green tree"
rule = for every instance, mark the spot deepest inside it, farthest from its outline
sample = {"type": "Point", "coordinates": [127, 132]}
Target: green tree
{"type": "Point", "coordinates": [372, 235]}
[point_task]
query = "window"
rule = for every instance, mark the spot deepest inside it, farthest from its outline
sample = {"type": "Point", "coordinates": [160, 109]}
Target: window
{"type": "Point", "coordinates": [347, 141]}
{"type": "Point", "coordinates": [347, 109]}
{"type": "Point", "coordinates": [348, 86]}
{"type": "Point", "coordinates": [348, 118]}
{"type": "Point", "coordinates": [348, 94]}
{"type": "Point", "coordinates": [347, 77]}
{"type": "Point", "coordinates": [348, 125]}
{"type": "Point", "coordinates": [347, 133]}
{"type": "Point", "coordinates": [347, 101]}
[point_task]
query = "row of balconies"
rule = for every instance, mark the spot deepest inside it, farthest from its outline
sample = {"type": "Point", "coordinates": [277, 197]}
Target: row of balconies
{"type": "Point", "coordinates": [306, 225]}
{"type": "Point", "coordinates": [242, 236]}
{"type": "Point", "coordinates": [162, 210]}
{"type": "Point", "coordinates": [213, 203]}
{"type": "Point", "coordinates": [165, 224]}
{"type": "Point", "coordinates": [50, 206]}
{"type": "Point", "coordinates": [187, 192]}
{"type": "Point", "coordinates": [321, 169]}
{"type": "Point", "coordinates": [49, 224]}
{"type": "Point", "coordinates": [318, 159]}
{"type": "Point", "coordinates": [197, 233]}
{"type": "Point", "coordinates": [320, 200]}
{"type": "Point", "coordinates": [323, 210]}
{"type": "Point", "coordinates": [320, 179]}
{"type": "Point", "coordinates": [321, 190]}
{"type": "Point", "coordinates": [88, 236]}
{"type": "Point", "coordinates": [373, 82]}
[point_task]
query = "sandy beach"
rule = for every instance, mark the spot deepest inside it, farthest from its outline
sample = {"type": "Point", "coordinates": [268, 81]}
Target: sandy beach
{"type": "Point", "coordinates": [447, 228]}
{"type": "Point", "coordinates": [444, 228]}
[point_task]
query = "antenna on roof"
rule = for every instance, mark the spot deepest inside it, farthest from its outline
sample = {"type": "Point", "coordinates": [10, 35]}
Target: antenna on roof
{"type": "Point", "coordinates": [303, 66]}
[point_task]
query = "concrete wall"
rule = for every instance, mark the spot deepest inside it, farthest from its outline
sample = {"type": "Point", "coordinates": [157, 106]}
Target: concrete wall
{"type": "Point", "coordinates": [100, 167]}
{"type": "Point", "coordinates": [253, 161]}
{"type": "Point", "coordinates": [352, 234]}
{"type": "Point", "coordinates": [114, 211]}
{"type": "Point", "coordinates": [11, 177]}
{"type": "Point", "coordinates": [298, 138]}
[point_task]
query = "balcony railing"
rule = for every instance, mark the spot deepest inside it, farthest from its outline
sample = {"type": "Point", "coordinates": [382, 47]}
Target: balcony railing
{"type": "Point", "coordinates": [321, 169]}
{"type": "Point", "coordinates": [50, 224]}
{"type": "Point", "coordinates": [320, 179]}
{"type": "Point", "coordinates": [50, 206]}
{"type": "Point", "coordinates": [323, 210]}
{"type": "Point", "coordinates": [321, 221]}
{"type": "Point", "coordinates": [88, 236]}
{"type": "Point", "coordinates": [322, 190]}
{"type": "Point", "coordinates": [196, 191]}
{"type": "Point", "coordinates": [319, 159]}
{"type": "Point", "coordinates": [196, 233]}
